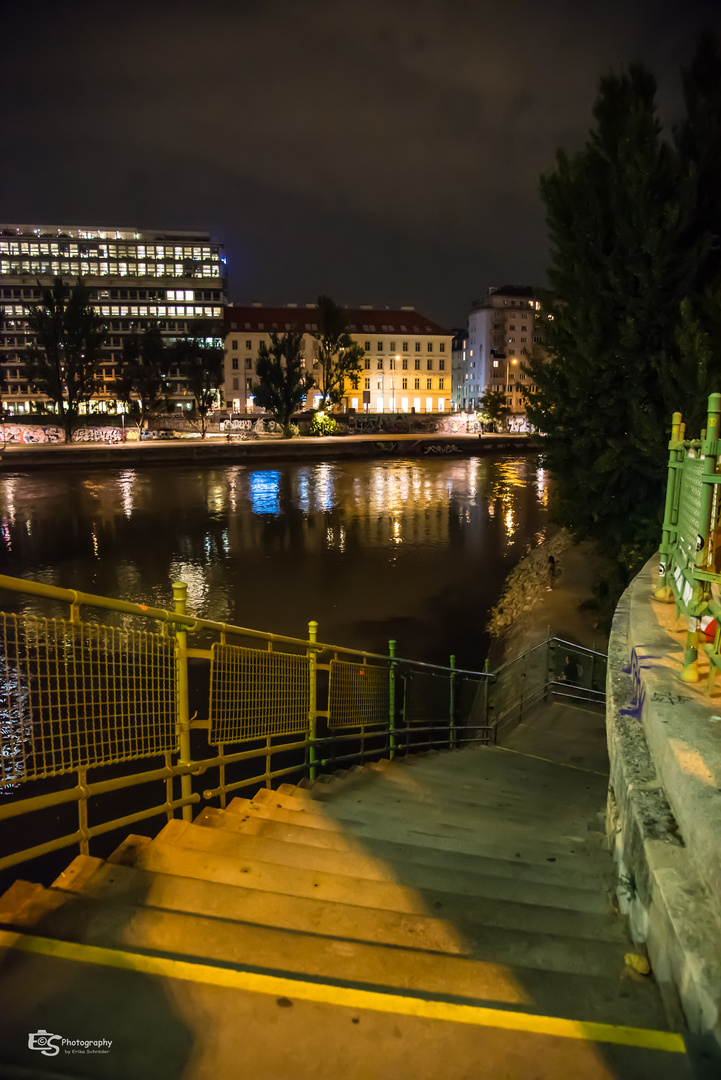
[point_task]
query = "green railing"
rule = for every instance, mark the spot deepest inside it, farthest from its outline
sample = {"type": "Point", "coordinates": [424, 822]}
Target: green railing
{"type": "Point", "coordinates": [92, 711]}
{"type": "Point", "coordinates": [690, 550]}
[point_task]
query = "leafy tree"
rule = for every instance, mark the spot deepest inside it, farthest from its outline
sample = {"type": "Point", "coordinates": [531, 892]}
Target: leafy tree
{"type": "Point", "coordinates": [624, 256]}
{"type": "Point", "coordinates": [142, 382]}
{"type": "Point", "coordinates": [283, 382]}
{"type": "Point", "coordinates": [64, 362]}
{"type": "Point", "coordinates": [494, 409]}
{"type": "Point", "coordinates": [339, 356]}
{"type": "Point", "coordinates": [200, 358]}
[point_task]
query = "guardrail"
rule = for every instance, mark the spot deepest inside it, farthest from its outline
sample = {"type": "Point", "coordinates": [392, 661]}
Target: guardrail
{"type": "Point", "coordinates": [690, 548]}
{"type": "Point", "coordinates": [82, 703]}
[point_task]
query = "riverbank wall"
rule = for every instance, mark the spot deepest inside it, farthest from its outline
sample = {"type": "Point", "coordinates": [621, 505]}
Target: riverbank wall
{"type": "Point", "coordinates": [269, 448]}
{"type": "Point", "coordinates": [664, 799]}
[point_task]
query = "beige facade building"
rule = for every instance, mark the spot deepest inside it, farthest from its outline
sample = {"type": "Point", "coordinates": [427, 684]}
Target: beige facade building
{"type": "Point", "coordinates": [406, 365]}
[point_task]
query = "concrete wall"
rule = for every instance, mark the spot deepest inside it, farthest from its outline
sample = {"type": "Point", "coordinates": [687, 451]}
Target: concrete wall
{"type": "Point", "coordinates": [664, 802]}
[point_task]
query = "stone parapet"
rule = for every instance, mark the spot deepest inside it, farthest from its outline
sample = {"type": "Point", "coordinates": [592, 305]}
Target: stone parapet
{"type": "Point", "coordinates": [664, 803]}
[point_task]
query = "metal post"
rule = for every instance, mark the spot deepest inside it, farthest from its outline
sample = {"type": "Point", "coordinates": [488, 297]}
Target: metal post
{"type": "Point", "coordinates": [392, 700]}
{"type": "Point", "coordinates": [670, 514]}
{"type": "Point", "coordinates": [180, 594]}
{"type": "Point", "coordinates": [312, 703]}
{"type": "Point", "coordinates": [452, 727]}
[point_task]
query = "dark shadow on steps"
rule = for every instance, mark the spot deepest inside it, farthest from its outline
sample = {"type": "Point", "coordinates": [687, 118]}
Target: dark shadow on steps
{"type": "Point", "coordinates": [80, 1000]}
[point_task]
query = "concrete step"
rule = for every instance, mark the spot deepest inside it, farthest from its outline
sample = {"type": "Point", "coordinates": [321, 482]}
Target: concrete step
{"type": "Point", "coordinates": [510, 859]}
{"type": "Point", "coordinates": [170, 1027]}
{"type": "Point", "coordinates": [452, 925]}
{"type": "Point", "coordinates": [474, 815]}
{"type": "Point", "coordinates": [219, 855]}
{"type": "Point", "coordinates": [501, 843]}
{"type": "Point", "coordinates": [118, 925]}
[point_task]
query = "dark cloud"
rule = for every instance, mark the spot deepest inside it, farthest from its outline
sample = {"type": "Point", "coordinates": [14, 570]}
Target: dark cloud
{"type": "Point", "coordinates": [381, 151]}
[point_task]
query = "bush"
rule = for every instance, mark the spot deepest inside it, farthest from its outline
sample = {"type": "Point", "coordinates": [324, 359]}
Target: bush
{"type": "Point", "coordinates": [322, 424]}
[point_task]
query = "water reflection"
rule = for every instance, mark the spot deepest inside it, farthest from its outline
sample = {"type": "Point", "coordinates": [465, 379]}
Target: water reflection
{"type": "Point", "coordinates": [410, 549]}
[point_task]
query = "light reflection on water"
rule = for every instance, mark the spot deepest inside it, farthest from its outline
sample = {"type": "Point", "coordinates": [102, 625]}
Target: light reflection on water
{"type": "Point", "coordinates": [411, 549]}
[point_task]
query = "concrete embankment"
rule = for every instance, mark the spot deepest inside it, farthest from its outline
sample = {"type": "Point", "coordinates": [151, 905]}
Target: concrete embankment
{"type": "Point", "coordinates": [266, 448]}
{"type": "Point", "coordinates": [664, 808]}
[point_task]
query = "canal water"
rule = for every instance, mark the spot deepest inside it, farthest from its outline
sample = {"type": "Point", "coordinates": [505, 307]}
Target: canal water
{"type": "Point", "coordinates": [405, 549]}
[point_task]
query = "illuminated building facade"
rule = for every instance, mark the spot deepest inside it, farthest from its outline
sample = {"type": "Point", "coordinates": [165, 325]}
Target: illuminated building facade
{"type": "Point", "coordinates": [503, 328]}
{"type": "Point", "coordinates": [406, 366]}
{"type": "Point", "coordinates": [136, 276]}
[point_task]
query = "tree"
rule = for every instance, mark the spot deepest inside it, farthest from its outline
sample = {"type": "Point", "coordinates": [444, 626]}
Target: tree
{"type": "Point", "coordinates": [283, 382]}
{"type": "Point", "coordinates": [142, 382]}
{"type": "Point", "coordinates": [200, 358]}
{"type": "Point", "coordinates": [624, 256]}
{"type": "Point", "coordinates": [65, 360]}
{"type": "Point", "coordinates": [339, 356]}
{"type": "Point", "coordinates": [3, 380]}
{"type": "Point", "coordinates": [494, 409]}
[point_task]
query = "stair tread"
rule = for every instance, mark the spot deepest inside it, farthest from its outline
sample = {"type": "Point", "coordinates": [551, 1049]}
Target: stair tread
{"type": "Point", "coordinates": [451, 925]}
{"type": "Point", "coordinates": [128, 927]}
{"type": "Point", "coordinates": [215, 854]}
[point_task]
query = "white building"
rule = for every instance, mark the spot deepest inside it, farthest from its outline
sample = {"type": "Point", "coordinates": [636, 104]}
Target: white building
{"type": "Point", "coordinates": [502, 331]}
{"type": "Point", "coordinates": [406, 363]}
{"type": "Point", "coordinates": [135, 276]}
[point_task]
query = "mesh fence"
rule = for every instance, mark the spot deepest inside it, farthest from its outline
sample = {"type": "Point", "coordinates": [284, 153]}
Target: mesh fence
{"type": "Point", "coordinates": [81, 694]}
{"type": "Point", "coordinates": [254, 693]}
{"type": "Point", "coordinates": [358, 694]}
{"type": "Point", "coordinates": [427, 698]}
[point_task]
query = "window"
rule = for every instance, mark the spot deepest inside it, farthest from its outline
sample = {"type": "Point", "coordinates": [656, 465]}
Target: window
{"type": "Point", "coordinates": [416, 384]}
{"type": "Point", "coordinates": [380, 363]}
{"type": "Point", "coordinates": [235, 343]}
{"type": "Point", "coordinates": [392, 346]}
{"type": "Point", "coordinates": [235, 384]}
{"type": "Point", "coordinates": [429, 346]}
{"type": "Point", "coordinates": [429, 384]}
{"type": "Point", "coordinates": [235, 366]}
{"type": "Point", "coordinates": [404, 384]}
{"type": "Point", "coordinates": [248, 384]}
{"type": "Point", "coordinates": [379, 347]}
{"type": "Point", "coordinates": [417, 363]}
{"type": "Point", "coordinates": [442, 347]}
{"type": "Point", "coordinates": [366, 384]}
{"type": "Point", "coordinates": [440, 384]}
{"type": "Point", "coordinates": [367, 346]}
{"type": "Point", "coordinates": [248, 362]}
{"type": "Point", "coordinates": [418, 346]}
{"type": "Point", "coordinates": [380, 384]}
{"type": "Point", "coordinates": [441, 365]}
{"type": "Point", "coordinates": [392, 363]}
{"type": "Point", "coordinates": [405, 346]}
{"type": "Point", "coordinates": [429, 365]}
{"type": "Point", "coordinates": [367, 363]}
{"type": "Point", "coordinates": [405, 363]}
{"type": "Point", "coordinates": [249, 344]}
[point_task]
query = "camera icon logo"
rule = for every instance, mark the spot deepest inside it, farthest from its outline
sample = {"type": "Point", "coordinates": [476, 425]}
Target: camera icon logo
{"type": "Point", "coordinates": [42, 1040]}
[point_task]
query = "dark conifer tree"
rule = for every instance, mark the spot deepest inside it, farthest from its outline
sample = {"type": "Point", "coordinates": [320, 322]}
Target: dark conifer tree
{"type": "Point", "coordinates": [624, 257]}
{"type": "Point", "coordinates": [283, 382]}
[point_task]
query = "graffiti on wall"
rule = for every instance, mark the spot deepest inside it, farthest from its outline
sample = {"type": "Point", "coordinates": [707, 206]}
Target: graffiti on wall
{"type": "Point", "coordinates": [31, 434]}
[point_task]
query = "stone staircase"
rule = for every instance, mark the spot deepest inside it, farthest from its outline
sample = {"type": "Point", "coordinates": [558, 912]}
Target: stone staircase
{"type": "Point", "coordinates": [448, 916]}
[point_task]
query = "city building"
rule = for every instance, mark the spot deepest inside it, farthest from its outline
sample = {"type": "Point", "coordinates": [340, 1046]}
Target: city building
{"type": "Point", "coordinates": [502, 331]}
{"type": "Point", "coordinates": [406, 363]}
{"type": "Point", "coordinates": [136, 276]}
{"type": "Point", "coordinates": [460, 391]}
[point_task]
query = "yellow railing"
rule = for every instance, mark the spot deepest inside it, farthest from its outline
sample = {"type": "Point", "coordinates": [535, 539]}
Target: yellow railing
{"type": "Point", "coordinates": [79, 696]}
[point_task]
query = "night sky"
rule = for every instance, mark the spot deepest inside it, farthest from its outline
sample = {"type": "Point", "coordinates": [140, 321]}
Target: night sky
{"type": "Point", "coordinates": [381, 152]}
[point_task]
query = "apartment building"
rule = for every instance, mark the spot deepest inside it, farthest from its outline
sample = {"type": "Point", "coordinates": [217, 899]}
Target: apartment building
{"type": "Point", "coordinates": [503, 328]}
{"type": "Point", "coordinates": [136, 276]}
{"type": "Point", "coordinates": [406, 363]}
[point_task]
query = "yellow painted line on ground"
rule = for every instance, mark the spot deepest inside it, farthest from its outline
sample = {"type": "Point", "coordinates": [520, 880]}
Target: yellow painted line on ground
{"type": "Point", "coordinates": [550, 761]}
{"type": "Point", "coordinates": [348, 996]}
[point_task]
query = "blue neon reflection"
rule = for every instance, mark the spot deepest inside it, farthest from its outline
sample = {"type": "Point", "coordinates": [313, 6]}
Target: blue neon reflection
{"type": "Point", "coordinates": [264, 492]}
